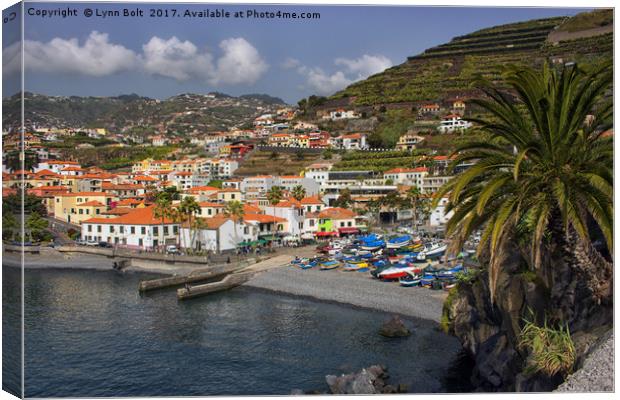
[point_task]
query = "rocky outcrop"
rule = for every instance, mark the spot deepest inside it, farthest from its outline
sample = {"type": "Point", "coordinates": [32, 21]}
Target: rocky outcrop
{"type": "Point", "coordinates": [489, 331]}
{"type": "Point", "coordinates": [371, 380]}
{"type": "Point", "coordinates": [394, 327]}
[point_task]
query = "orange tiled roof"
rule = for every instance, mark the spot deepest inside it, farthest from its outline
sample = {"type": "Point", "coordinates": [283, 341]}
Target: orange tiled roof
{"type": "Point", "coordinates": [138, 216]}
{"type": "Point", "coordinates": [404, 170]}
{"type": "Point", "coordinates": [337, 213]}
{"type": "Point", "coordinates": [262, 218]}
{"type": "Point", "coordinates": [311, 200]}
{"type": "Point", "coordinates": [92, 203]}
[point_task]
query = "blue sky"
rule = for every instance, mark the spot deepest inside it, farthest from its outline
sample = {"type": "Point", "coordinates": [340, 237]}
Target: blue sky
{"type": "Point", "coordinates": [291, 59]}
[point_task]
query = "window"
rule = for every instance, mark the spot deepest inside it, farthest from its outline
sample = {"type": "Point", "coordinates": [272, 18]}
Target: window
{"type": "Point", "coordinates": [97, 211]}
{"type": "Point", "coordinates": [132, 230]}
{"type": "Point", "coordinates": [90, 228]}
{"type": "Point", "coordinates": [232, 196]}
{"type": "Point", "coordinates": [73, 211]}
{"type": "Point", "coordinates": [143, 230]}
{"type": "Point", "coordinates": [81, 211]}
{"type": "Point", "coordinates": [342, 224]}
{"type": "Point", "coordinates": [122, 229]}
{"type": "Point", "coordinates": [246, 230]}
{"type": "Point", "coordinates": [99, 228]}
{"type": "Point", "coordinates": [349, 223]}
{"type": "Point", "coordinates": [209, 211]}
{"type": "Point", "coordinates": [175, 230]}
{"type": "Point", "coordinates": [57, 200]}
{"type": "Point", "coordinates": [155, 231]}
{"type": "Point", "coordinates": [311, 222]}
{"type": "Point", "coordinates": [165, 230]}
{"type": "Point", "coordinates": [111, 228]}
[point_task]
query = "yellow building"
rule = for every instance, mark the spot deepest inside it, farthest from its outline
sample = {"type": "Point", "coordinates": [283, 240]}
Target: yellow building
{"type": "Point", "coordinates": [229, 194]}
{"type": "Point", "coordinates": [77, 207]}
{"type": "Point", "coordinates": [152, 165]}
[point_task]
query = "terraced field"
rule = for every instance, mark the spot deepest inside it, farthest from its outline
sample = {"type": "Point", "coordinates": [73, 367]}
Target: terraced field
{"type": "Point", "coordinates": [448, 70]}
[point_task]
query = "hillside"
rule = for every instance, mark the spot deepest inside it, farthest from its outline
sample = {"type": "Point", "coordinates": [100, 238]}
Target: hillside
{"type": "Point", "coordinates": [446, 71]}
{"type": "Point", "coordinates": [183, 113]}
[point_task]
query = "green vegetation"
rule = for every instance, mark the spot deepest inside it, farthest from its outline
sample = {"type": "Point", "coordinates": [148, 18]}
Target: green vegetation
{"type": "Point", "coordinates": [264, 163]}
{"type": "Point", "coordinates": [12, 204]}
{"type": "Point", "coordinates": [274, 195]}
{"type": "Point", "coordinates": [588, 20]}
{"type": "Point", "coordinates": [552, 351]}
{"type": "Point", "coordinates": [215, 183]}
{"type": "Point", "coordinates": [70, 142]}
{"type": "Point", "coordinates": [118, 157]}
{"type": "Point", "coordinates": [378, 161]}
{"type": "Point", "coordinates": [445, 321]}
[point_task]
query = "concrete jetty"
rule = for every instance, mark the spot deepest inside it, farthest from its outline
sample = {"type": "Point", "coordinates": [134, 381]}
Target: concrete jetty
{"type": "Point", "coordinates": [234, 278]}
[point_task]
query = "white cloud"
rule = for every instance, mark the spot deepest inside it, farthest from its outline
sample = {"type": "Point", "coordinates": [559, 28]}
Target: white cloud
{"type": "Point", "coordinates": [325, 84]}
{"type": "Point", "coordinates": [175, 59]}
{"type": "Point", "coordinates": [352, 70]}
{"type": "Point", "coordinates": [95, 57]}
{"type": "Point", "coordinates": [364, 66]}
{"type": "Point", "coordinates": [240, 64]}
{"type": "Point", "coordinates": [291, 63]}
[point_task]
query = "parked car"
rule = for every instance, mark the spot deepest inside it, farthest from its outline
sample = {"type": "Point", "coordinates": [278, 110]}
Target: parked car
{"type": "Point", "coordinates": [92, 243]}
{"type": "Point", "coordinates": [80, 242]}
{"type": "Point", "coordinates": [105, 245]}
{"type": "Point", "coordinates": [172, 249]}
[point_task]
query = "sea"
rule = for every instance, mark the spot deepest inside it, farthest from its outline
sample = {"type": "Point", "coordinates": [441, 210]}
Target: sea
{"type": "Point", "coordinates": [92, 334]}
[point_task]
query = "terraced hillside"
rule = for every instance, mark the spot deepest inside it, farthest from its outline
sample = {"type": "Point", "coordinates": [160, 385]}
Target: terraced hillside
{"type": "Point", "coordinates": [448, 70]}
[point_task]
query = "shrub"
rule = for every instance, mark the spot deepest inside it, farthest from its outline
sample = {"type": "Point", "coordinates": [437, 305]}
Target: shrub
{"type": "Point", "coordinates": [552, 351]}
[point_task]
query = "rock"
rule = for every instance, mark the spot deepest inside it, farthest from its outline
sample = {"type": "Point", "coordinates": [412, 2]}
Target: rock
{"type": "Point", "coordinates": [297, 392]}
{"type": "Point", "coordinates": [394, 327]}
{"type": "Point", "coordinates": [389, 389]}
{"type": "Point", "coordinates": [367, 381]}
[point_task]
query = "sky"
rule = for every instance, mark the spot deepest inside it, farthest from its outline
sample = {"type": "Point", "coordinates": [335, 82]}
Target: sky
{"type": "Point", "coordinates": [163, 56]}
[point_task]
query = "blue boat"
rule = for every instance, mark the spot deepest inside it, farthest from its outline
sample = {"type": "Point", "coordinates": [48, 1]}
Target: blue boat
{"type": "Point", "coordinates": [427, 280]}
{"type": "Point", "coordinates": [398, 242]}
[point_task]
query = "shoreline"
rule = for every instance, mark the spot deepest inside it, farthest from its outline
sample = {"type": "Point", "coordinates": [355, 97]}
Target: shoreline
{"type": "Point", "coordinates": [351, 289]}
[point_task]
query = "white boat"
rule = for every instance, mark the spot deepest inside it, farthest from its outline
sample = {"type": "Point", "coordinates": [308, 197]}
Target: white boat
{"type": "Point", "coordinates": [432, 250]}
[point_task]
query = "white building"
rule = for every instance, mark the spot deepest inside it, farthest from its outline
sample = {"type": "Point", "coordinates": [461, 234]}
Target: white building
{"type": "Point", "coordinates": [288, 182]}
{"type": "Point", "coordinates": [438, 215]}
{"type": "Point", "coordinates": [318, 172]}
{"type": "Point", "coordinates": [291, 211]}
{"type": "Point", "coordinates": [57, 166]}
{"type": "Point", "coordinates": [259, 183]}
{"type": "Point", "coordinates": [139, 229]}
{"type": "Point", "coordinates": [453, 122]}
{"type": "Point", "coordinates": [407, 176]}
{"type": "Point", "coordinates": [339, 114]}
{"type": "Point", "coordinates": [219, 234]}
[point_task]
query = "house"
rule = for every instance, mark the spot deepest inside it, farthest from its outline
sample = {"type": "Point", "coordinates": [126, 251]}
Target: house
{"type": "Point", "coordinates": [71, 208]}
{"type": "Point", "coordinates": [408, 141]}
{"type": "Point", "coordinates": [341, 113]}
{"type": "Point", "coordinates": [159, 140]}
{"type": "Point", "coordinates": [138, 229]}
{"type": "Point", "coordinates": [336, 221]}
{"type": "Point", "coordinates": [432, 184]}
{"type": "Point", "coordinates": [351, 141]}
{"type": "Point", "coordinates": [268, 227]}
{"type": "Point", "coordinates": [292, 211]}
{"type": "Point", "coordinates": [453, 122]}
{"type": "Point", "coordinates": [318, 172]}
{"type": "Point", "coordinates": [305, 126]}
{"type": "Point", "coordinates": [201, 193]}
{"type": "Point", "coordinates": [438, 216]}
{"type": "Point", "coordinates": [210, 209]}
{"type": "Point", "coordinates": [318, 139]}
{"type": "Point", "coordinates": [288, 182]}
{"type": "Point", "coordinates": [225, 195]}
{"type": "Point", "coordinates": [280, 139]}
{"type": "Point", "coordinates": [312, 204]}
{"type": "Point", "coordinates": [259, 183]}
{"type": "Point", "coordinates": [407, 176]}
{"type": "Point", "coordinates": [429, 108]}
{"type": "Point", "coordinates": [56, 166]}
{"type": "Point", "coordinates": [217, 234]}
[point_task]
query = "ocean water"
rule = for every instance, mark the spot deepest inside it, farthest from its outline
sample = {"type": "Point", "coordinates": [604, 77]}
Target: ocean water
{"type": "Point", "coordinates": [90, 333]}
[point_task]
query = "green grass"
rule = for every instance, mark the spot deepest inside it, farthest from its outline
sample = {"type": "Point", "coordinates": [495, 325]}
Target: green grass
{"type": "Point", "coordinates": [552, 350]}
{"type": "Point", "coordinates": [588, 20]}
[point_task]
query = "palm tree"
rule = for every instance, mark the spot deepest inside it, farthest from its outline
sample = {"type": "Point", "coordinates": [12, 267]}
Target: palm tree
{"type": "Point", "coordinates": [162, 210]}
{"type": "Point", "coordinates": [188, 208]}
{"type": "Point", "coordinates": [234, 209]}
{"type": "Point", "coordinates": [544, 172]}
{"type": "Point", "coordinates": [274, 195]}
{"type": "Point", "coordinates": [414, 196]}
{"type": "Point", "coordinates": [298, 192]}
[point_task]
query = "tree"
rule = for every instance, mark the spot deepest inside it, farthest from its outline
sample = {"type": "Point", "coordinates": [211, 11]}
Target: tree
{"type": "Point", "coordinates": [298, 192]}
{"type": "Point", "coordinates": [417, 202]}
{"type": "Point", "coordinates": [344, 199]}
{"type": "Point", "coordinates": [163, 210]}
{"type": "Point", "coordinates": [10, 226]}
{"type": "Point", "coordinates": [13, 204]}
{"type": "Point", "coordinates": [36, 227]}
{"type": "Point", "coordinates": [188, 208]}
{"type": "Point", "coordinates": [545, 176]}
{"type": "Point", "coordinates": [215, 183]}
{"type": "Point", "coordinates": [234, 209]}
{"type": "Point", "coordinates": [274, 195]}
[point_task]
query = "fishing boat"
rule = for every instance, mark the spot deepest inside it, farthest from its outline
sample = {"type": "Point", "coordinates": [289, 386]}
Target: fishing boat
{"type": "Point", "coordinates": [329, 264]}
{"type": "Point", "coordinates": [431, 251]}
{"type": "Point", "coordinates": [450, 273]}
{"type": "Point", "coordinates": [427, 280]}
{"type": "Point", "coordinates": [397, 272]}
{"type": "Point", "coordinates": [398, 242]}
{"type": "Point", "coordinates": [356, 265]}
{"type": "Point", "coordinates": [410, 280]}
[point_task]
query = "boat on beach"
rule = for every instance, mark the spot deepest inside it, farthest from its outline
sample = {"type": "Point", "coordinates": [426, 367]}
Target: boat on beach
{"type": "Point", "coordinates": [356, 265]}
{"type": "Point", "coordinates": [329, 264]}
{"type": "Point", "coordinates": [410, 280]}
{"type": "Point", "coordinates": [398, 242]}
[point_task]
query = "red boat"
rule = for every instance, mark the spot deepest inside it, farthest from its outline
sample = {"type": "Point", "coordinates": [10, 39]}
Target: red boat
{"type": "Point", "coordinates": [396, 273]}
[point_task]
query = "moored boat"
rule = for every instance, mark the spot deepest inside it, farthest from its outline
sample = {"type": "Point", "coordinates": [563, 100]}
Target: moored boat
{"type": "Point", "coordinates": [329, 264]}
{"type": "Point", "coordinates": [398, 242]}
